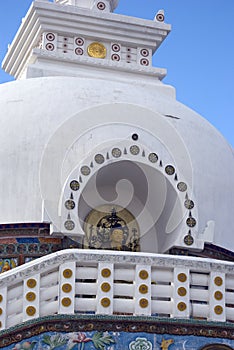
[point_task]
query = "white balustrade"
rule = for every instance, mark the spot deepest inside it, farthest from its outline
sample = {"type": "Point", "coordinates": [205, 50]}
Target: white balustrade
{"type": "Point", "coordinates": [117, 283]}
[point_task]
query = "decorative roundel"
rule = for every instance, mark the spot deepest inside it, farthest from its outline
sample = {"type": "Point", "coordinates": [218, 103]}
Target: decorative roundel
{"type": "Point", "coordinates": [160, 17]}
{"type": "Point", "coordinates": [67, 273]}
{"type": "Point", "coordinates": [97, 50]}
{"type": "Point", "coordinates": [74, 185]}
{"type": "Point", "coordinates": [70, 204]}
{"type": "Point", "coordinates": [79, 42]}
{"type": "Point", "coordinates": [188, 240]}
{"type": "Point", "coordinates": [31, 310]}
{"type": "Point", "coordinates": [0, 311]}
{"type": "Point", "coordinates": [101, 5]}
{"type": "Point", "coordinates": [50, 47]}
{"type": "Point", "coordinates": [182, 277]}
{"type": "Point", "coordinates": [144, 62]}
{"type": "Point", "coordinates": [143, 303]}
{"type": "Point", "coordinates": [144, 52]}
{"type": "Point", "coordinates": [115, 47]}
{"type": "Point", "coordinates": [181, 291]}
{"type": "Point", "coordinates": [135, 137]}
{"type": "Point", "coordinates": [99, 159]}
{"type": "Point", "coordinates": [170, 170]}
{"type": "Point", "coordinates": [218, 309]}
{"type": "Point", "coordinates": [85, 170]}
{"type": "Point", "coordinates": [191, 222]}
{"type": "Point", "coordinates": [31, 283]}
{"type": "Point", "coordinates": [115, 57]}
{"type": "Point", "coordinates": [66, 302]}
{"type": "Point", "coordinates": [30, 296]}
{"type": "Point", "coordinates": [218, 281]}
{"type": "Point", "coordinates": [143, 289]}
{"type": "Point", "coordinates": [69, 225]}
{"type": "Point", "coordinates": [143, 274]}
{"type": "Point", "coordinates": [134, 150]}
{"type": "Point", "coordinates": [106, 273]}
{"type": "Point", "coordinates": [218, 295]}
{"type": "Point", "coordinates": [189, 204]}
{"type": "Point", "coordinates": [105, 302]}
{"type": "Point", "coordinates": [50, 36]}
{"type": "Point", "coordinates": [116, 152]}
{"type": "Point", "coordinates": [79, 51]}
{"type": "Point", "coordinates": [153, 158]}
{"type": "Point", "coordinates": [105, 287]}
{"type": "Point", "coordinates": [1, 298]}
{"type": "Point", "coordinates": [66, 288]}
{"type": "Point", "coordinates": [182, 187]}
{"type": "Point", "coordinates": [181, 306]}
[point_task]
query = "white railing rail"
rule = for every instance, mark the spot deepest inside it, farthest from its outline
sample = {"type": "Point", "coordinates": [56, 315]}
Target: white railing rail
{"type": "Point", "coordinates": [121, 283]}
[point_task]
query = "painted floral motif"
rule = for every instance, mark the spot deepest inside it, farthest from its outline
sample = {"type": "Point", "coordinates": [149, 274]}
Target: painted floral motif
{"type": "Point", "coordinates": [140, 344]}
{"type": "Point", "coordinates": [26, 345]}
{"type": "Point", "coordinates": [54, 341]}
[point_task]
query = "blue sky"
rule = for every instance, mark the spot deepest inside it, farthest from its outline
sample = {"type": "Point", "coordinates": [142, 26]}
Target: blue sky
{"type": "Point", "coordinates": [198, 53]}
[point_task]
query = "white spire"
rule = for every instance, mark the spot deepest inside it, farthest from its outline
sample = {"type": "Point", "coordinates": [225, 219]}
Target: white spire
{"type": "Point", "coordinates": [98, 5]}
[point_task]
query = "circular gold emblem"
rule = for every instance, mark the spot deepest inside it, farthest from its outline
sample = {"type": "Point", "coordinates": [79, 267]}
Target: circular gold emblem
{"type": "Point", "coordinates": [30, 310]}
{"type": "Point", "coordinates": [181, 306]}
{"type": "Point", "coordinates": [105, 287]}
{"type": "Point", "coordinates": [218, 310]}
{"type": "Point", "coordinates": [143, 303]}
{"type": "Point", "coordinates": [66, 288]}
{"type": "Point", "coordinates": [182, 277]}
{"type": "Point", "coordinates": [105, 302]}
{"type": "Point", "coordinates": [1, 298]}
{"type": "Point", "coordinates": [31, 283]}
{"type": "Point", "coordinates": [106, 273]}
{"type": "Point", "coordinates": [97, 50]}
{"type": "Point", "coordinates": [143, 289]}
{"type": "Point", "coordinates": [218, 295]}
{"type": "Point", "coordinates": [218, 281]}
{"type": "Point", "coordinates": [67, 273]}
{"type": "Point", "coordinates": [0, 311]}
{"type": "Point", "coordinates": [181, 291]}
{"type": "Point", "coordinates": [30, 296]}
{"type": "Point", "coordinates": [143, 274]}
{"type": "Point", "coordinates": [66, 302]}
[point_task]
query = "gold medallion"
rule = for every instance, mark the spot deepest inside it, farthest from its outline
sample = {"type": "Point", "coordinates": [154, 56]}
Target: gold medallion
{"type": "Point", "coordinates": [97, 50]}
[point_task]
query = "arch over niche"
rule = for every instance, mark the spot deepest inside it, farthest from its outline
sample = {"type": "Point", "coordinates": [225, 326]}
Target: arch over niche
{"type": "Point", "coordinates": [216, 347]}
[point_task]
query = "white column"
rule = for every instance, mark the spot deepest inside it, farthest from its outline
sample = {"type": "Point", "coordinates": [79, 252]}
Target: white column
{"type": "Point", "coordinates": [31, 297]}
{"type": "Point", "coordinates": [181, 293]}
{"type": "Point", "coordinates": [67, 277]}
{"type": "Point", "coordinates": [3, 307]}
{"type": "Point", "coordinates": [105, 288]}
{"type": "Point", "coordinates": [217, 297]}
{"type": "Point", "coordinates": [143, 290]}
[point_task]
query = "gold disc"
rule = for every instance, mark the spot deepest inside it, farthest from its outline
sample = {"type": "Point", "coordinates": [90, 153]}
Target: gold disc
{"type": "Point", "coordinates": [97, 50]}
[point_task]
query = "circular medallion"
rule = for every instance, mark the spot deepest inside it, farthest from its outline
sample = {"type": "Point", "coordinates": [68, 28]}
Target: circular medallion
{"type": "Point", "coordinates": [79, 42]}
{"type": "Point", "coordinates": [69, 204]}
{"type": "Point", "coordinates": [85, 170]}
{"type": "Point", "coordinates": [188, 240]}
{"type": "Point", "coordinates": [115, 47]}
{"type": "Point", "coordinates": [101, 5]}
{"type": "Point", "coordinates": [106, 273]}
{"type": "Point", "coordinates": [105, 302]}
{"type": "Point", "coordinates": [181, 306]}
{"type": "Point", "coordinates": [74, 185]}
{"type": "Point", "coordinates": [134, 150]}
{"type": "Point", "coordinates": [69, 225]}
{"type": "Point", "coordinates": [79, 51]}
{"type": "Point", "coordinates": [31, 310]}
{"type": "Point", "coordinates": [31, 283]}
{"type": "Point", "coordinates": [115, 57]}
{"type": "Point", "coordinates": [218, 281]}
{"type": "Point", "coordinates": [30, 296]}
{"type": "Point", "coordinates": [143, 274]}
{"type": "Point", "coordinates": [144, 62]}
{"type": "Point", "coordinates": [67, 273]}
{"type": "Point", "coordinates": [66, 302]}
{"type": "Point", "coordinates": [191, 222]}
{"type": "Point", "coordinates": [182, 187]}
{"type": "Point", "coordinates": [144, 53]}
{"type": "Point", "coordinates": [66, 288]}
{"type": "Point", "coordinates": [99, 159]}
{"type": "Point", "coordinates": [182, 277]}
{"type": "Point", "coordinates": [181, 291]}
{"type": "Point", "coordinates": [116, 152]}
{"type": "Point", "coordinates": [50, 36]}
{"type": "Point", "coordinates": [1, 298]}
{"type": "Point", "coordinates": [218, 295]}
{"type": "Point", "coordinates": [143, 289]}
{"type": "Point", "coordinates": [105, 287]}
{"type": "Point", "coordinates": [170, 170]}
{"type": "Point", "coordinates": [50, 47]}
{"type": "Point", "coordinates": [160, 17]}
{"type": "Point", "coordinates": [218, 309]}
{"type": "Point", "coordinates": [97, 50]}
{"type": "Point", "coordinates": [0, 311]}
{"type": "Point", "coordinates": [143, 303]}
{"type": "Point", "coordinates": [153, 157]}
{"type": "Point", "coordinates": [189, 204]}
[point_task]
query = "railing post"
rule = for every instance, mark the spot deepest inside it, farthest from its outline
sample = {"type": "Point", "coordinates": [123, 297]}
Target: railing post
{"type": "Point", "coordinates": [67, 278]}
{"type": "Point", "coordinates": [143, 290]}
{"type": "Point", "coordinates": [105, 288]}
{"type": "Point", "coordinates": [217, 297]}
{"type": "Point", "coordinates": [31, 297]}
{"type": "Point", "coordinates": [3, 308]}
{"type": "Point", "coordinates": [181, 293]}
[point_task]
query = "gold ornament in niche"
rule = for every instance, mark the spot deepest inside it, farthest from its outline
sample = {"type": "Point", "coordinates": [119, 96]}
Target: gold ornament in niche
{"type": "Point", "coordinates": [67, 273]}
{"type": "Point", "coordinates": [97, 50]}
{"type": "Point", "coordinates": [181, 291]}
{"type": "Point", "coordinates": [66, 288]}
{"type": "Point", "coordinates": [143, 289]}
{"type": "Point", "coordinates": [143, 303]}
{"type": "Point", "coordinates": [181, 306]}
{"type": "Point", "coordinates": [30, 310]}
{"type": "Point", "coordinates": [31, 283]}
{"type": "Point", "coordinates": [143, 274]}
{"type": "Point", "coordinates": [182, 277]}
{"type": "Point", "coordinates": [66, 302]}
{"type": "Point", "coordinates": [218, 295]}
{"type": "Point", "coordinates": [218, 309]}
{"type": "Point", "coordinates": [1, 298]}
{"type": "Point", "coordinates": [105, 287]}
{"type": "Point", "coordinates": [30, 296]}
{"type": "Point", "coordinates": [0, 311]}
{"type": "Point", "coordinates": [106, 273]}
{"type": "Point", "coordinates": [218, 281]}
{"type": "Point", "coordinates": [105, 302]}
